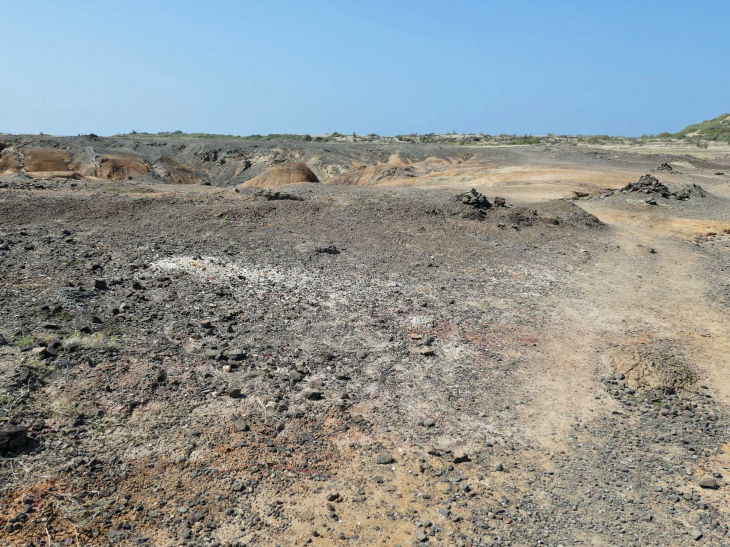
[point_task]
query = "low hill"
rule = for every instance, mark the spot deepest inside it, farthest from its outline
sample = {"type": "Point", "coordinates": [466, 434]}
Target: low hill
{"type": "Point", "coordinates": [717, 129]}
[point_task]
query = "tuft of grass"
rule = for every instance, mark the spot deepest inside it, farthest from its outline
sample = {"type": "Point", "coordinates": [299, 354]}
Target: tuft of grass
{"type": "Point", "coordinates": [40, 366]}
{"type": "Point", "coordinates": [89, 341]}
{"type": "Point", "coordinates": [25, 340]}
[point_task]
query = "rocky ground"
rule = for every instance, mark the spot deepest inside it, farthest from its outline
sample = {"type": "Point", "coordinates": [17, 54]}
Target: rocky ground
{"type": "Point", "coordinates": [396, 363]}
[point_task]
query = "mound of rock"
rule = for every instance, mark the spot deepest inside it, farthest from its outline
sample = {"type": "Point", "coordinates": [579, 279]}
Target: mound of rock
{"type": "Point", "coordinates": [665, 168]}
{"type": "Point", "coordinates": [476, 200]}
{"type": "Point", "coordinates": [650, 185]}
{"type": "Point", "coordinates": [687, 191]}
{"type": "Point", "coordinates": [289, 172]}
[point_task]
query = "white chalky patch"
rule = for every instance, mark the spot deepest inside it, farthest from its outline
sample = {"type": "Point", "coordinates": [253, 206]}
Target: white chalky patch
{"type": "Point", "coordinates": [216, 269]}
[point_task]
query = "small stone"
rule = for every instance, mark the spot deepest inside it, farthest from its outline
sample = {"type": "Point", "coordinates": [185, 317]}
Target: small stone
{"type": "Point", "coordinates": [708, 482]}
{"type": "Point", "coordinates": [235, 393]}
{"type": "Point", "coordinates": [384, 459]}
{"type": "Point", "coordinates": [101, 285]}
{"type": "Point", "coordinates": [241, 425]}
{"type": "Point", "coordinates": [422, 350]}
{"type": "Point", "coordinates": [461, 457]}
{"type": "Point", "coordinates": [312, 394]}
{"type": "Point", "coordinates": [498, 467]}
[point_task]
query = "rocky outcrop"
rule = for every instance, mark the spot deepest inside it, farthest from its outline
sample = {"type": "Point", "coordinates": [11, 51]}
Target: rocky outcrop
{"type": "Point", "coordinates": [372, 175]}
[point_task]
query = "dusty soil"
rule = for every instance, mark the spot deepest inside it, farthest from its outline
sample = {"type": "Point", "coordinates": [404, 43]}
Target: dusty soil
{"type": "Point", "coordinates": [367, 360]}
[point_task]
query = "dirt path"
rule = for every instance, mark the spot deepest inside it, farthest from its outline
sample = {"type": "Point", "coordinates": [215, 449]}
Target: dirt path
{"type": "Point", "coordinates": [650, 285]}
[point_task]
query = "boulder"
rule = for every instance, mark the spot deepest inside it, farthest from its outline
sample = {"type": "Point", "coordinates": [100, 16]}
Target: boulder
{"type": "Point", "coordinates": [12, 437]}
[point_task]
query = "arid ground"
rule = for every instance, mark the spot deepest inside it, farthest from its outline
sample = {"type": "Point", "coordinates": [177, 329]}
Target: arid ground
{"type": "Point", "coordinates": [215, 343]}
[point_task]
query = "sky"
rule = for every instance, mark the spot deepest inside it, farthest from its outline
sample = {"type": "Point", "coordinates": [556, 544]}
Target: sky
{"type": "Point", "coordinates": [387, 67]}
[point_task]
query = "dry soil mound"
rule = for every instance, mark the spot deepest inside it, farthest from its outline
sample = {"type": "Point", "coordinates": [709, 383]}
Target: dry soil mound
{"type": "Point", "coordinates": [112, 166]}
{"type": "Point", "coordinates": [8, 164]}
{"type": "Point", "coordinates": [42, 161]}
{"type": "Point", "coordinates": [120, 167]}
{"type": "Point", "coordinates": [45, 160]}
{"type": "Point", "coordinates": [282, 174]}
{"type": "Point", "coordinates": [176, 171]}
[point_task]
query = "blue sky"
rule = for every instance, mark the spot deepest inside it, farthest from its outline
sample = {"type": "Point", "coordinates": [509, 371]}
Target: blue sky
{"type": "Point", "coordinates": [389, 67]}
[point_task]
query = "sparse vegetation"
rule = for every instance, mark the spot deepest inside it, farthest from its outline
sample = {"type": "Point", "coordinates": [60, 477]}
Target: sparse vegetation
{"type": "Point", "coordinates": [717, 129]}
{"type": "Point", "coordinates": [527, 139]}
{"type": "Point", "coordinates": [25, 340]}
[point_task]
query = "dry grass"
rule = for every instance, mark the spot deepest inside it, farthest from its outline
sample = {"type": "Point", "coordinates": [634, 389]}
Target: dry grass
{"type": "Point", "coordinates": [90, 341]}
